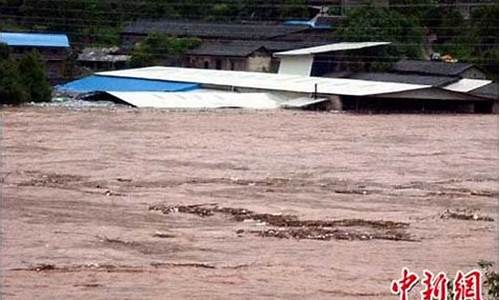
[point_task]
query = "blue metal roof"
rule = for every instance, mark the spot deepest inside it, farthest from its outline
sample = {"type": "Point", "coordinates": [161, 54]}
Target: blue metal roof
{"type": "Point", "coordinates": [34, 39]}
{"type": "Point", "coordinates": [310, 23]}
{"type": "Point", "coordinates": [98, 83]}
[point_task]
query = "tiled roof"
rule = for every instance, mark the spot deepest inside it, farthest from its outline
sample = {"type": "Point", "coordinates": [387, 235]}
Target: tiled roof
{"type": "Point", "coordinates": [431, 67]}
{"type": "Point", "coordinates": [406, 78]}
{"type": "Point", "coordinates": [212, 30]}
{"type": "Point", "coordinates": [243, 48]}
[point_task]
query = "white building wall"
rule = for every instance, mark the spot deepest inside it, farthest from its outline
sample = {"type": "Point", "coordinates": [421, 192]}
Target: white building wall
{"type": "Point", "coordinates": [296, 65]}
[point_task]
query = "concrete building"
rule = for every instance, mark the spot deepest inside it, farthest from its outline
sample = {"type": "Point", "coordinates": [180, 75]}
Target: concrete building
{"type": "Point", "coordinates": [54, 49]}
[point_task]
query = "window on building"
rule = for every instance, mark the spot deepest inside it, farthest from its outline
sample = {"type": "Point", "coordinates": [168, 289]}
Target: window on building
{"type": "Point", "coordinates": [206, 65]}
{"type": "Point", "coordinates": [218, 64]}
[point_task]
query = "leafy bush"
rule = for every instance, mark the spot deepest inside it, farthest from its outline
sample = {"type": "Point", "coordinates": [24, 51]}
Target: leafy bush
{"type": "Point", "coordinates": [33, 77]}
{"type": "Point", "coordinates": [12, 91]}
{"type": "Point", "coordinates": [158, 48]}
{"type": "Point", "coordinates": [382, 24]}
{"type": "Point", "coordinates": [24, 80]}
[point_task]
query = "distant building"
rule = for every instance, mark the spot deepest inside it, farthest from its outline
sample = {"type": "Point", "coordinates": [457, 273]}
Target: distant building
{"type": "Point", "coordinates": [137, 31]}
{"type": "Point", "coordinates": [238, 55]}
{"type": "Point", "coordinates": [54, 49]}
{"type": "Point", "coordinates": [241, 47]}
{"type": "Point", "coordinates": [99, 59]}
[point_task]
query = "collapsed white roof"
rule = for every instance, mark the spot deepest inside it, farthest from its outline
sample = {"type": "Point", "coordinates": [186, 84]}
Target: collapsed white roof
{"type": "Point", "coordinates": [198, 100]}
{"type": "Point", "coordinates": [267, 81]}
{"type": "Point", "coordinates": [466, 85]}
{"type": "Point", "coordinates": [210, 99]}
{"type": "Point", "coordinates": [331, 48]}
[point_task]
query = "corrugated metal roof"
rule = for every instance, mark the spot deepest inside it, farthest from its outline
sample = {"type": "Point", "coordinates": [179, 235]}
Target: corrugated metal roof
{"type": "Point", "coordinates": [267, 81]}
{"type": "Point", "coordinates": [466, 85]}
{"type": "Point", "coordinates": [34, 39]}
{"type": "Point", "coordinates": [197, 100]}
{"type": "Point", "coordinates": [302, 102]}
{"type": "Point", "coordinates": [107, 83]}
{"type": "Point", "coordinates": [331, 48]}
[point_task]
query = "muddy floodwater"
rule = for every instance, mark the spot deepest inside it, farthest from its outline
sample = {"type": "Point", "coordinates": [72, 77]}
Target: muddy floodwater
{"type": "Point", "coordinates": [118, 203]}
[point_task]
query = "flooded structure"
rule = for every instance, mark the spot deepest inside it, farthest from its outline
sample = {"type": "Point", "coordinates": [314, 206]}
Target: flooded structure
{"type": "Point", "coordinates": [338, 93]}
{"type": "Point", "coordinates": [53, 48]}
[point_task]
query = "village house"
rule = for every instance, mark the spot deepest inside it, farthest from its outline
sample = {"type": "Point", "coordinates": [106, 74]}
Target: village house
{"type": "Point", "coordinates": [241, 47]}
{"type": "Point", "coordinates": [239, 55]}
{"type": "Point", "coordinates": [139, 30]}
{"type": "Point", "coordinates": [53, 48]}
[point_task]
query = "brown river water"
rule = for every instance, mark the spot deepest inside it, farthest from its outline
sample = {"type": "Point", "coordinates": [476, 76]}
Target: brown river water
{"type": "Point", "coordinates": [119, 203]}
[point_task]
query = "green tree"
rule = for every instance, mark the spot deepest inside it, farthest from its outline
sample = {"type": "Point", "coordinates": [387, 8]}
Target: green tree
{"type": "Point", "coordinates": [294, 9]}
{"type": "Point", "coordinates": [12, 91]}
{"type": "Point", "coordinates": [386, 25]}
{"type": "Point", "coordinates": [4, 52]}
{"type": "Point", "coordinates": [474, 40]}
{"type": "Point", "coordinates": [414, 8]}
{"type": "Point", "coordinates": [33, 77]}
{"type": "Point", "coordinates": [159, 48]}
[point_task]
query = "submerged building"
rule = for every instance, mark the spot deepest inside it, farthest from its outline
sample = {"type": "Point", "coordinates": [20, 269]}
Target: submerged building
{"type": "Point", "coordinates": [257, 90]}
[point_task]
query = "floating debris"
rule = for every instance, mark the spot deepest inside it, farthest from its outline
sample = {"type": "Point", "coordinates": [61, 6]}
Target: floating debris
{"type": "Point", "coordinates": [290, 226]}
{"type": "Point", "coordinates": [163, 235]}
{"type": "Point", "coordinates": [326, 234]}
{"type": "Point", "coordinates": [191, 265]}
{"type": "Point", "coordinates": [465, 214]}
{"type": "Point", "coordinates": [52, 180]}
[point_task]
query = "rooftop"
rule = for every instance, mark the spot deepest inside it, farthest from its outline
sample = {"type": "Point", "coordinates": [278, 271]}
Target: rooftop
{"type": "Point", "coordinates": [102, 55]}
{"type": "Point", "coordinates": [466, 85]}
{"type": "Point", "coordinates": [431, 67]}
{"type": "Point", "coordinates": [267, 81]}
{"type": "Point", "coordinates": [406, 78]}
{"type": "Point", "coordinates": [331, 48]}
{"type": "Point", "coordinates": [96, 83]}
{"type": "Point", "coordinates": [489, 91]}
{"type": "Point", "coordinates": [243, 48]}
{"type": "Point", "coordinates": [34, 39]}
{"type": "Point", "coordinates": [212, 30]}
